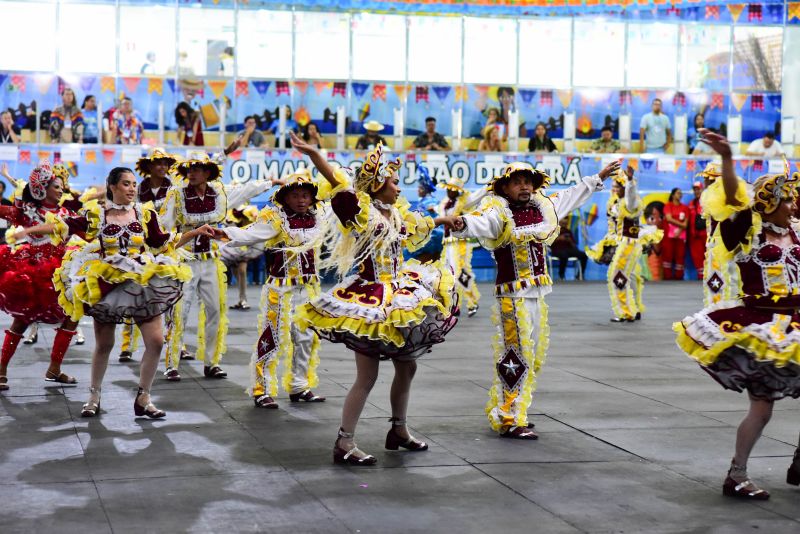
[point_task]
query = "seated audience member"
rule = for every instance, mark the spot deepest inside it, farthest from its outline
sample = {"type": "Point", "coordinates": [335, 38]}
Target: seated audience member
{"type": "Point", "coordinates": [693, 136]}
{"type": "Point", "coordinates": [565, 246]}
{"type": "Point", "coordinates": [8, 132]}
{"type": "Point", "coordinates": [494, 118]}
{"type": "Point", "coordinates": [606, 144]}
{"type": "Point", "coordinates": [371, 138]}
{"type": "Point", "coordinates": [291, 126]}
{"type": "Point", "coordinates": [311, 134]}
{"type": "Point", "coordinates": [251, 136]}
{"type": "Point", "coordinates": [766, 147]}
{"type": "Point", "coordinates": [126, 126]}
{"type": "Point", "coordinates": [541, 142]}
{"type": "Point", "coordinates": [491, 140]}
{"type": "Point", "coordinates": [190, 127]}
{"type": "Point", "coordinates": [430, 139]}
{"type": "Point", "coordinates": [66, 120]}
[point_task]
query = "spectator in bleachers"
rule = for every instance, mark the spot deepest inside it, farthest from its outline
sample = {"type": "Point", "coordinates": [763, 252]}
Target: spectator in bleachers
{"type": "Point", "coordinates": [693, 135]}
{"type": "Point", "coordinates": [149, 65]}
{"type": "Point", "coordinates": [291, 126]}
{"type": "Point", "coordinates": [494, 118]}
{"type": "Point", "coordinates": [251, 136]}
{"type": "Point", "coordinates": [190, 127]}
{"type": "Point", "coordinates": [702, 148]}
{"type": "Point", "coordinates": [540, 141]}
{"type": "Point", "coordinates": [371, 138]}
{"type": "Point", "coordinates": [655, 130]}
{"type": "Point", "coordinates": [430, 139]}
{"type": "Point", "coordinates": [606, 144]}
{"type": "Point", "coordinates": [66, 121]}
{"type": "Point", "coordinates": [8, 132]}
{"type": "Point", "coordinates": [312, 135]}
{"type": "Point", "coordinates": [766, 147]}
{"type": "Point", "coordinates": [91, 122]}
{"type": "Point", "coordinates": [491, 140]}
{"type": "Point", "coordinates": [126, 126]}
{"type": "Point", "coordinates": [564, 247]}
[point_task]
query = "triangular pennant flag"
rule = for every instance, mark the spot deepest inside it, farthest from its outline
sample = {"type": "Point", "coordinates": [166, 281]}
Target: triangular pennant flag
{"type": "Point", "coordinates": [43, 154]}
{"type": "Point", "coordinates": [774, 101]}
{"type": "Point", "coordinates": [441, 91]}
{"type": "Point", "coordinates": [565, 97]}
{"type": "Point", "coordinates": [736, 11]}
{"type": "Point", "coordinates": [339, 89]}
{"type": "Point", "coordinates": [171, 84]}
{"type": "Point", "coordinates": [359, 88]}
{"type": "Point", "coordinates": [546, 98]}
{"type": "Point", "coordinates": [281, 88]}
{"type": "Point", "coordinates": [527, 95]}
{"type": "Point", "coordinates": [321, 86]}
{"type": "Point", "coordinates": [217, 87]}
{"type": "Point", "coordinates": [3, 78]}
{"type": "Point", "coordinates": [641, 94]}
{"type": "Point", "coordinates": [379, 91]}
{"type": "Point", "coordinates": [691, 165]}
{"type": "Point", "coordinates": [758, 165]}
{"type": "Point", "coordinates": [712, 12]}
{"type": "Point", "coordinates": [86, 83]}
{"type": "Point", "coordinates": [131, 83]}
{"type": "Point", "coordinates": [717, 101]}
{"type": "Point", "coordinates": [18, 83]}
{"type": "Point", "coordinates": [482, 89]}
{"type": "Point", "coordinates": [793, 11]}
{"type": "Point", "coordinates": [108, 155]}
{"type": "Point", "coordinates": [401, 91]}
{"type": "Point", "coordinates": [107, 84]}
{"type": "Point", "coordinates": [242, 88]}
{"type": "Point", "coordinates": [756, 102]}
{"type": "Point", "coordinates": [90, 156]}
{"type": "Point", "coordinates": [302, 87]}
{"type": "Point", "coordinates": [421, 94]}
{"type": "Point", "coordinates": [462, 94]}
{"type": "Point", "coordinates": [24, 156]}
{"type": "Point", "coordinates": [738, 100]}
{"type": "Point", "coordinates": [646, 164]}
{"type": "Point", "coordinates": [43, 82]}
{"type": "Point", "coordinates": [155, 85]}
{"type": "Point", "coordinates": [678, 164]}
{"type": "Point", "coordinates": [745, 163]}
{"type": "Point", "coordinates": [261, 86]}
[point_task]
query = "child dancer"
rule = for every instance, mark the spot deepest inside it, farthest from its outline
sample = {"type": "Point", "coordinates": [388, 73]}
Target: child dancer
{"type": "Point", "coordinates": [237, 256]}
{"type": "Point", "coordinates": [752, 343]}
{"type": "Point", "coordinates": [515, 222]}
{"type": "Point", "coordinates": [382, 308]}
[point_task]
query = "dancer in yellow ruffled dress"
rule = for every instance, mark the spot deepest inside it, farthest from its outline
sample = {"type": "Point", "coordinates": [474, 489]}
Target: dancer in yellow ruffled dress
{"type": "Point", "coordinates": [752, 343]}
{"type": "Point", "coordinates": [382, 307]}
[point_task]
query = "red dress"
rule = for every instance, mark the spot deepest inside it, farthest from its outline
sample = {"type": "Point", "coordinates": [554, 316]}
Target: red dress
{"type": "Point", "coordinates": [26, 270]}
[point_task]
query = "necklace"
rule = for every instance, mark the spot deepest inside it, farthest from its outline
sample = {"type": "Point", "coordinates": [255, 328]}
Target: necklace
{"type": "Point", "coordinates": [114, 206]}
{"type": "Point", "coordinates": [774, 228]}
{"type": "Point", "coordinates": [381, 205]}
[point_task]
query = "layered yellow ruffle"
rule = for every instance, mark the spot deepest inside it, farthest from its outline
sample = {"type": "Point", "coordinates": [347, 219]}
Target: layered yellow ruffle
{"type": "Point", "coordinates": [715, 202]}
{"type": "Point", "coordinates": [760, 349]}
{"type": "Point", "coordinates": [596, 252]}
{"type": "Point", "coordinates": [389, 329]}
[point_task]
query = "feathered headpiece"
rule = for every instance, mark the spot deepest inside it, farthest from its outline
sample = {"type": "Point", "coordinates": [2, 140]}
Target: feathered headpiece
{"type": "Point", "coordinates": [40, 179]}
{"type": "Point", "coordinates": [540, 178]}
{"type": "Point", "coordinates": [375, 171]}
{"type": "Point", "coordinates": [425, 181]}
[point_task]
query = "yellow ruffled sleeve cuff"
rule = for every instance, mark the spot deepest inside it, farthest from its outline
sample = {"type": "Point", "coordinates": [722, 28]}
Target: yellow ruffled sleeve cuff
{"type": "Point", "coordinates": [715, 203]}
{"type": "Point", "coordinates": [418, 228]}
{"type": "Point", "coordinates": [60, 229]}
{"type": "Point", "coordinates": [326, 191]}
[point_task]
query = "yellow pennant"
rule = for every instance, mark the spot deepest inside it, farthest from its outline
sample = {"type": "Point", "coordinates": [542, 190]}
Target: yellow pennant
{"type": "Point", "coordinates": [738, 100]}
{"type": "Point", "coordinates": [736, 11]}
{"type": "Point", "coordinates": [107, 84]}
{"type": "Point", "coordinates": [565, 97]}
{"type": "Point", "coordinates": [218, 87]}
{"type": "Point", "coordinates": [155, 85]}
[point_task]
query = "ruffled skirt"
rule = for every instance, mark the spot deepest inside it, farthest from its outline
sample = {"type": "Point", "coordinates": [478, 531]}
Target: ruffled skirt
{"type": "Point", "coordinates": [400, 319]}
{"type": "Point", "coordinates": [117, 288]}
{"type": "Point", "coordinates": [745, 348]}
{"type": "Point", "coordinates": [26, 285]}
{"type": "Point", "coordinates": [232, 256]}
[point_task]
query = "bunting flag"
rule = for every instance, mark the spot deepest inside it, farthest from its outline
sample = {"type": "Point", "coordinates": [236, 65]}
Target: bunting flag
{"type": "Point", "coordinates": [43, 82]}
{"type": "Point", "coordinates": [755, 13]}
{"type": "Point", "coordinates": [340, 89]}
{"type": "Point", "coordinates": [641, 94]}
{"type": "Point", "coordinates": [527, 95]}
{"type": "Point", "coordinates": [401, 91]}
{"type": "Point", "coordinates": [43, 154]}
{"type": "Point", "coordinates": [634, 164]}
{"type": "Point", "coordinates": [738, 100]}
{"type": "Point", "coordinates": [422, 94]}
{"type": "Point", "coordinates": [90, 156]}
{"type": "Point", "coordinates": [86, 83]}
{"type": "Point", "coordinates": [56, 158]}
{"type": "Point", "coordinates": [625, 97]}
{"type": "Point", "coordinates": [678, 164]}
{"type": "Point", "coordinates": [736, 11]}
{"type": "Point", "coordinates": [546, 98]}
{"type": "Point", "coordinates": [242, 88]}
{"type": "Point", "coordinates": [261, 86]}
{"type": "Point", "coordinates": [321, 86]}
{"type": "Point", "coordinates": [379, 91]}
{"type": "Point", "coordinates": [756, 102]}
{"type": "Point", "coordinates": [131, 83]}
{"type": "Point", "coordinates": [462, 94]}
{"type": "Point", "coordinates": [679, 100]}
{"type": "Point", "coordinates": [155, 85]}
{"type": "Point", "coordinates": [712, 12]}
{"type": "Point", "coordinates": [775, 101]}
{"type": "Point", "coordinates": [482, 89]}
{"type": "Point", "coordinates": [717, 101]}
{"type": "Point", "coordinates": [171, 83]}
{"type": "Point", "coordinates": [108, 155]}
{"type": "Point", "coordinates": [442, 92]}
{"type": "Point", "coordinates": [217, 87]}
{"type": "Point", "coordinates": [24, 156]}
{"type": "Point", "coordinates": [302, 87]}
{"type": "Point", "coordinates": [758, 165]}
{"type": "Point", "coordinates": [745, 163]}
{"type": "Point", "coordinates": [107, 84]}
{"type": "Point", "coordinates": [793, 11]}
{"type": "Point", "coordinates": [691, 165]}
{"type": "Point", "coordinates": [360, 88]}
{"type": "Point", "coordinates": [281, 88]}
{"type": "Point", "coordinates": [565, 97]}
{"type": "Point", "coordinates": [17, 83]}
{"type": "Point", "coordinates": [3, 78]}
{"type": "Point", "coordinates": [646, 164]}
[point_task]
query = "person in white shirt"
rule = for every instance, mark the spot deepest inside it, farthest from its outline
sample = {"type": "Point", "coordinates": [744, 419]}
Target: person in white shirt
{"type": "Point", "coordinates": [766, 147]}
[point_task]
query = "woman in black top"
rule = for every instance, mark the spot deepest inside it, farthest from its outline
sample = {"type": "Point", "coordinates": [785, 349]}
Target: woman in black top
{"type": "Point", "coordinates": [541, 142]}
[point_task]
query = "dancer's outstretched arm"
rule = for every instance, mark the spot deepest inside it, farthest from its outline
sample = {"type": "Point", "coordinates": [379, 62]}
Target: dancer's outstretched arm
{"type": "Point", "coordinates": [723, 148]}
{"type": "Point", "coordinates": [319, 161]}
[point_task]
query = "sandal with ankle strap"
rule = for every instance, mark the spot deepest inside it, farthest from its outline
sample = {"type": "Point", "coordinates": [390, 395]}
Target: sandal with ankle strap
{"type": "Point", "coordinates": [61, 378]}
{"type": "Point", "coordinates": [214, 372]}
{"type": "Point", "coordinates": [354, 456]}
{"type": "Point", "coordinates": [148, 409]}
{"type": "Point", "coordinates": [265, 401]}
{"type": "Point", "coordinates": [394, 440]}
{"type": "Point", "coordinates": [520, 432]}
{"type": "Point", "coordinates": [306, 396]}
{"type": "Point", "coordinates": [742, 490]}
{"type": "Point", "coordinates": [90, 409]}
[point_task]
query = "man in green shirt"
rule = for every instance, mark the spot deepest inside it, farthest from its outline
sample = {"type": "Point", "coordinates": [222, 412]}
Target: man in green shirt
{"type": "Point", "coordinates": [606, 144]}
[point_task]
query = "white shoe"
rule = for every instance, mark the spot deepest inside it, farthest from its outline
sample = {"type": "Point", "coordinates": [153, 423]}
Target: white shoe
{"type": "Point", "coordinates": [79, 339]}
{"type": "Point", "coordinates": [33, 335]}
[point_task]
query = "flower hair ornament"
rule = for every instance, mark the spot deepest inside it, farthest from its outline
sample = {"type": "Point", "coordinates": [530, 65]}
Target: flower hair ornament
{"type": "Point", "coordinates": [540, 178]}
{"type": "Point", "coordinates": [40, 179]}
{"type": "Point", "coordinates": [374, 171]}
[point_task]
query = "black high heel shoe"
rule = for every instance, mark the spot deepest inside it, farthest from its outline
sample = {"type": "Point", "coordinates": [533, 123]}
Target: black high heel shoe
{"type": "Point", "coordinates": [149, 409]}
{"type": "Point", "coordinates": [394, 441]}
{"type": "Point", "coordinates": [354, 456]}
{"type": "Point", "coordinates": [793, 474]}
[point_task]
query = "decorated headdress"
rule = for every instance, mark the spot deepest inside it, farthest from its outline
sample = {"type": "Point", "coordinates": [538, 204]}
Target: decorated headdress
{"type": "Point", "coordinates": [40, 179]}
{"type": "Point", "coordinates": [61, 171]}
{"type": "Point", "coordinates": [425, 180]}
{"type": "Point", "coordinates": [155, 154]}
{"type": "Point", "coordinates": [453, 184]}
{"type": "Point", "coordinates": [301, 178]}
{"type": "Point", "coordinates": [375, 171]}
{"type": "Point", "coordinates": [771, 190]}
{"type": "Point", "coordinates": [711, 172]}
{"type": "Point", "coordinates": [198, 159]}
{"type": "Point", "coordinates": [540, 178]}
